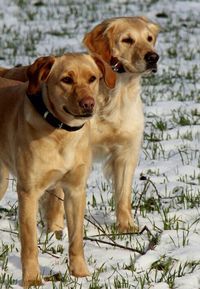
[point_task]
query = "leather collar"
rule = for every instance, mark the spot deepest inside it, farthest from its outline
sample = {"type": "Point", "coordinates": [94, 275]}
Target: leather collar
{"type": "Point", "coordinates": [40, 107]}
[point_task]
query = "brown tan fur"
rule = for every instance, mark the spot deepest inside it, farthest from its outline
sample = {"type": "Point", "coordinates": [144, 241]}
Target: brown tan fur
{"type": "Point", "coordinates": [117, 128]}
{"type": "Point", "coordinates": [16, 73]}
{"type": "Point", "coordinates": [8, 82]}
{"type": "Point", "coordinates": [43, 157]}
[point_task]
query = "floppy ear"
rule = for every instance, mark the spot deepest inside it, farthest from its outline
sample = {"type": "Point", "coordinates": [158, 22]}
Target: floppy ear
{"type": "Point", "coordinates": [109, 75]}
{"type": "Point", "coordinates": [38, 72]}
{"type": "Point", "coordinates": [97, 41]}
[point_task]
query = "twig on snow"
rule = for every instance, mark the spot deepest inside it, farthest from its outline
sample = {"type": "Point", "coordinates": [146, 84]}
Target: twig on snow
{"type": "Point", "coordinates": [44, 251]}
{"type": "Point", "coordinates": [114, 244]}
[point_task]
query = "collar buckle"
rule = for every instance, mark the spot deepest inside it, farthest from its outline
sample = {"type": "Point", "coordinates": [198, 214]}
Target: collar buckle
{"type": "Point", "coordinates": [116, 65]}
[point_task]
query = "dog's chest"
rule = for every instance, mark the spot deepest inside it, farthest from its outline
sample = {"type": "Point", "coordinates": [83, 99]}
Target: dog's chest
{"type": "Point", "coordinates": [118, 126]}
{"type": "Point", "coordinates": [67, 153]}
{"type": "Point", "coordinates": [66, 158]}
{"type": "Point", "coordinates": [56, 153]}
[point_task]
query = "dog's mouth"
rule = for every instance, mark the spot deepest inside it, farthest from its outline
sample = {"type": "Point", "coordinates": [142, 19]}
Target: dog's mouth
{"type": "Point", "coordinates": [152, 67]}
{"type": "Point", "coordinates": [83, 115]}
{"type": "Point", "coordinates": [119, 67]}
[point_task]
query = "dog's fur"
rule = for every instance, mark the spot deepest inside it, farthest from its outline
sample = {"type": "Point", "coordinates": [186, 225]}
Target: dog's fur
{"type": "Point", "coordinates": [117, 128]}
{"type": "Point", "coordinates": [43, 157]}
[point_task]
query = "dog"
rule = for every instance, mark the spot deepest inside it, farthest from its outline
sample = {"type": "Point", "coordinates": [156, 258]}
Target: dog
{"type": "Point", "coordinates": [45, 143]}
{"type": "Point", "coordinates": [127, 44]}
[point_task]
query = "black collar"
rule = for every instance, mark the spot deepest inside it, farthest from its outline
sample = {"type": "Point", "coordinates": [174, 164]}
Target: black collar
{"type": "Point", "coordinates": [116, 65]}
{"type": "Point", "coordinates": [38, 103]}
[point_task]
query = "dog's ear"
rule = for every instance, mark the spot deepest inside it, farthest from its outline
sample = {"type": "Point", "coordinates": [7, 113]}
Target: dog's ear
{"type": "Point", "coordinates": [38, 72]}
{"type": "Point", "coordinates": [109, 75]}
{"type": "Point", "coordinates": [154, 27]}
{"type": "Point", "coordinates": [97, 41]}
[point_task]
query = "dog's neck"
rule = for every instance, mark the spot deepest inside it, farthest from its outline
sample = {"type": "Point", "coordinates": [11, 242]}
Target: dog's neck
{"type": "Point", "coordinates": [41, 108]}
{"type": "Point", "coordinates": [113, 101]}
{"type": "Point", "coordinates": [125, 82]}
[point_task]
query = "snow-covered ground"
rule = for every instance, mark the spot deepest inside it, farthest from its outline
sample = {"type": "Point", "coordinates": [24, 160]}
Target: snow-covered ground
{"type": "Point", "coordinates": [166, 199]}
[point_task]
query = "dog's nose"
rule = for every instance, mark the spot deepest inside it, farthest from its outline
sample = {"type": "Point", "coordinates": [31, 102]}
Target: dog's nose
{"type": "Point", "coordinates": [151, 57]}
{"type": "Point", "coordinates": [87, 103]}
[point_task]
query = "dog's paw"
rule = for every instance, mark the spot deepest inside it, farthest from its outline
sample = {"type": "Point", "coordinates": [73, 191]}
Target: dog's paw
{"type": "Point", "coordinates": [127, 227]}
{"type": "Point", "coordinates": [58, 235]}
{"type": "Point", "coordinates": [27, 283]}
{"type": "Point", "coordinates": [78, 267]}
{"type": "Point", "coordinates": [53, 227]}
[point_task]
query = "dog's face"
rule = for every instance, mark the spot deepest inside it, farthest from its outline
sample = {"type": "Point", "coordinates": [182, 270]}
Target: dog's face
{"type": "Point", "coordinates": [70, 83]}
{"type": "Point", "coordinates": [126, 43]}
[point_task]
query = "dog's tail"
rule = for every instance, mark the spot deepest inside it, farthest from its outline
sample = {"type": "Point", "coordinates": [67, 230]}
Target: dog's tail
{"type": "Point", "coordinates": [16, 73]}
{"type": "Point", "coordinates": [3, 71]}
{"type": "Point", "coordinates": [4, 176]}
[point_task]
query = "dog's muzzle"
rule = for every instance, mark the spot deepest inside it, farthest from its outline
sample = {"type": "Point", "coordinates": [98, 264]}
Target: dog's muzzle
{"type": "Point", "coordinates": [151, 59]}
{"type": "Point", "coordinates": [87, 105]}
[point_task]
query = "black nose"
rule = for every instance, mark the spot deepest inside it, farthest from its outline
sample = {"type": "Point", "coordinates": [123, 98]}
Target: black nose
{"type": "Point", "coordinates": [151, 57]}
{"type": "Point", "coordinates": [87, 103]}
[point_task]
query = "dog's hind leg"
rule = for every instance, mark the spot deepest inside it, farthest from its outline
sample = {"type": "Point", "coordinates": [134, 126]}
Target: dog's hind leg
{"type": "Point", "coordinates": [4, 174]}
{"type": "Point", "coordinates": [52, 211]}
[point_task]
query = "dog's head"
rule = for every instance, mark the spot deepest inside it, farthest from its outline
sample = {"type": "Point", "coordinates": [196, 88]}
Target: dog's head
{"type": "Point", "coordinates": [70, 83]}
{"type": "Point", "coordinates": [126, 43]}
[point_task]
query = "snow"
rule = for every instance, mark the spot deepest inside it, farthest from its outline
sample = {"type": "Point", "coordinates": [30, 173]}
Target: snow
{"type": "Point", "coordinates": [170, 157]}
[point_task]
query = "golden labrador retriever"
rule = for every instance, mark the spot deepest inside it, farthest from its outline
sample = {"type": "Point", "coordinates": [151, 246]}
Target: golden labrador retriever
{"type": "Point", "coordinates": [127, 45]}
{"type": "Point", "coordinates": [45, 142]}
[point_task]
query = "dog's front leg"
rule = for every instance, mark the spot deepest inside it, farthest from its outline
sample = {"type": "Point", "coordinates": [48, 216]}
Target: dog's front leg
{"type": "Point", "coordinates": [123, 166]}
{"type": "Point", "coordinates": [28, 204]}
{"type": "Point", "coordinates": [74, 202]}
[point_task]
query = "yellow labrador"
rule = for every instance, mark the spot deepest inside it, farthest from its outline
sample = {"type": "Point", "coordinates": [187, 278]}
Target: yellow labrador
{"type": "Point", "coordinates": [45, 142]}
{"type": "Point", "coordinates": [127, 45]}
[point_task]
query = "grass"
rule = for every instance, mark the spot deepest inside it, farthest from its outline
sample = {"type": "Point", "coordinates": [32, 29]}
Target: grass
{"type": "Point", "coordinates": [166, 194]}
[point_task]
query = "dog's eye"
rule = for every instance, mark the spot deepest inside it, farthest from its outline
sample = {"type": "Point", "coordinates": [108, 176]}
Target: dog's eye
{"type": "Point", "coordinates": [149, 38]}
{"type": "Point", "coordinates": [68, 80]}
{"type": "Point", "coordinates": [128, 40]}
{"type": "Point", "coordinates": [92, 79]}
